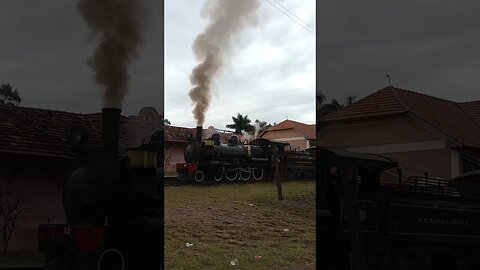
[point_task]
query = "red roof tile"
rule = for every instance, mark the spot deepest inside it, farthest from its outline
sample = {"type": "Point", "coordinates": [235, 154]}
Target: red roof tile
{"type": "Point", "coordinates": [459, 121]}
{"type": "Point", "coordinates": [180, 134]}
{"type": "Point", "coordinates": [44, 132]}
{"type": "Point", "coordinates": [304, 129]}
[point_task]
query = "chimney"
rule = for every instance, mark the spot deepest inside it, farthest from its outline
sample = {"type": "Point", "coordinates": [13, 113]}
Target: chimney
{"type": "Point", "coordinates": [111, 129]}
{"type": "Point", "coordinates": [199, 134]}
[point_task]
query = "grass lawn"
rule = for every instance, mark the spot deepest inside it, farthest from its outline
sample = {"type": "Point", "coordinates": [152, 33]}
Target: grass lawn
{"type": "Point", "coordinates": [21, 259]}
{"type": "Point", "coordinates": [240, 221]}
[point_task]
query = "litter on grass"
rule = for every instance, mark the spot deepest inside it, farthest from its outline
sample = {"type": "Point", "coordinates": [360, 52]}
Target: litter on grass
{"type": "Point", "coordinates": [234, 262]}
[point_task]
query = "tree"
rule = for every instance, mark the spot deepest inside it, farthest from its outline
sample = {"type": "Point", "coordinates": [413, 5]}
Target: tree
{"type": "Point", "coordinates": [350, 99]}
{"type": "Point", "coordinates": [9, 96]}
{"type": "Point", "coordinates": [9, 213]}
{"type": "Point", "coordinates": [167, 157]}
{"type": "Point", "coordinates": [262, 126]}
{"type": "Point", "coordinates": [320, 99]}
{"type": "Point", "coordinates": [324, 109]}
{"type": "Point", "coordinates": [328, 108]}
{"type": "Point", "coordinates": [241, 123]}
{"type": "Point", "coordinates": [166, 122]}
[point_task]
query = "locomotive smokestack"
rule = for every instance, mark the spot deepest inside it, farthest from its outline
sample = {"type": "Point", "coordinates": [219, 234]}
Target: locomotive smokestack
{"type": "Point", "coordinates": [111, 129]}
{"type": "Point", "coordinates": [199, 133]}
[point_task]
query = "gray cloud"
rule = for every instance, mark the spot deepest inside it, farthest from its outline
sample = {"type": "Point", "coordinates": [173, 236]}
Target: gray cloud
{"type": "Point", "coordinates": [427, 46]}
{"type": "Point", "coordinates": [44, 51]}
{"type": "Point", "coordinates": [271, 73]}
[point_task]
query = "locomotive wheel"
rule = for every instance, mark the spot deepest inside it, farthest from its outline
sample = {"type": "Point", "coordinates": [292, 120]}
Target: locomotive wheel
{"type": "Point", "coordinates": [257, 173]}
{"type": "Point", "coordinates": [218, 175]}
{"type": "Point", "coordinates": [231, 174]}
{"type": "Point", "coordinates": [245, 173]}
{"type": "Point", "coordinates": [199, 176]}
{"type": "Point", "coordinates": [110, 259]}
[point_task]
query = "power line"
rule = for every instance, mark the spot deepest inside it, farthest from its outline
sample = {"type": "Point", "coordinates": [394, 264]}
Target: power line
{"type": "Point", "coordinates": [286, 9]}
{"type": "Point", "coordinates": [313, 33]}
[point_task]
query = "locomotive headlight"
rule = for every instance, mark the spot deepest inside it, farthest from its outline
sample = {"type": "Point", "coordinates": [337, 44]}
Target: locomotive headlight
{"type": "Point", "coordinates": [78, 135]}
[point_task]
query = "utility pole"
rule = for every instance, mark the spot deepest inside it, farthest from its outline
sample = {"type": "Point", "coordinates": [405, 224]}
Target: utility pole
{"type": "Point", "coordinates": [277, 171]}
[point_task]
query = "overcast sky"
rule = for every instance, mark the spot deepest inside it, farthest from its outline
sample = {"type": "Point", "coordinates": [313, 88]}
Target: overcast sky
{"type": "Point", "coordinates": [43, 54]}
{"type": "Point", "coordinates": [429, 46]}
{"type": "Point", "coordinates": [271, 74]}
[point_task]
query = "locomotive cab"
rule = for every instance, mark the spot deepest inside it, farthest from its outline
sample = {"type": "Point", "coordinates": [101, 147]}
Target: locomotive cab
{"type": "Point", "coordinates": [368, 223]}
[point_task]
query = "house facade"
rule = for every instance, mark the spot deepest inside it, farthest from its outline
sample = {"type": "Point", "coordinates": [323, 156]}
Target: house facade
{"type": "Point", "coordinates": [36, 158]}
{"type": "Point", "coordinates": [425, 134]}
{"type": "Point", "coordinates": [176, 141]}
{"type": "Point", "coordinates": [300, 136]}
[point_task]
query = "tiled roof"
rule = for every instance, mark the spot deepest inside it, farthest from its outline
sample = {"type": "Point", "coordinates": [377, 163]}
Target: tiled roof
{"type": "Point", "coordinates": [177, 134]}
{"type": "Point", "coordinates": [304, 129]}
{"type": "Point", "coordinates": [459, 121]}
{"type": "Point", "coordinates": [44, 132]}
{"type": "Point", "coordinates": [180, 134]}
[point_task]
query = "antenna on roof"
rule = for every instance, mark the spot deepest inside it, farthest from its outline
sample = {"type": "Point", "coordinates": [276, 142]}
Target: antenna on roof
{"type": "Point", "coordinates": [389, 82]}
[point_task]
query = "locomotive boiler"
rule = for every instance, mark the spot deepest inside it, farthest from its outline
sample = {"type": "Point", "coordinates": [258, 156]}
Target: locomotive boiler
{"type": "Point", "coordinates": [113, 205]}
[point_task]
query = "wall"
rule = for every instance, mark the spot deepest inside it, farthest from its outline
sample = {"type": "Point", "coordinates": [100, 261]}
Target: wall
{"type": "Point", "coordinates": [403, 140]}
{"type": "Point", "coordinates": [174, 151]}
{"type": "Point", "coordinates": [435, 162]}
{"type": "Point", "coordinates": [373, 133]}
{"type": "Point", "coordinates": [296, 140]}
{"type": "Point", "coordinates": [39, 184]}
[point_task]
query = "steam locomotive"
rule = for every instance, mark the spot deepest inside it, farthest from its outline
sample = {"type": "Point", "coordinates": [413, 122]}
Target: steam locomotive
{"type": "Point", "coordinates": [211, 159]}
{"type": "Point", "coordinates": [113, 205]}
{"type": "Point", "coordinates": [418, 223]}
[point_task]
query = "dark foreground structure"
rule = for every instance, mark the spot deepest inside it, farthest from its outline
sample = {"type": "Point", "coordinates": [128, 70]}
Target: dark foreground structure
{"type": "Point", "coordinates": [419, 223]}
{"type": "Point", "coordinates": [113, 204]}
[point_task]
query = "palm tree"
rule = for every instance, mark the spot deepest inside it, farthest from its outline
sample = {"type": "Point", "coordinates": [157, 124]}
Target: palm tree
{"type": "Point", "coordinates": [350, 99]}
{"type": "Point", "coordinates": [241, 123]}
{"type": "Point", "coordinates": [262, 126]}
{"type": "Point", "coordinates": [328, 108]}
{"type": "Point", "coordinates": [320, 99]}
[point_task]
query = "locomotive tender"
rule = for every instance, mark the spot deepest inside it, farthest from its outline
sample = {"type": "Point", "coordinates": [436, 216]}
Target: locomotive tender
{"type": "Point", "coordinates": [211, 159]}
{"type": "Point", "coordinates": [113, 205]}
{"type": "Point", "coordinates": [419, 223]}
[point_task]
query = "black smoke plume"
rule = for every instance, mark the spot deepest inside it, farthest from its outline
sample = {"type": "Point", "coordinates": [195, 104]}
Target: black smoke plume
{"type": "Point", "coordinates": [118, 25]}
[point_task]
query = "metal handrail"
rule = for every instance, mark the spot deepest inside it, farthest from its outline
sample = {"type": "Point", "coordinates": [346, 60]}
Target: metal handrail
{"type": "Point", "coordinates": [428, 184]}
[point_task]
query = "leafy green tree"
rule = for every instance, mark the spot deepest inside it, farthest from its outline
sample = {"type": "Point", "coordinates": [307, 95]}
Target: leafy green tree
{"type": "Point", "coordinates": [9, 96]}
{"type": "Point", "coordinates": [241, 123]}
